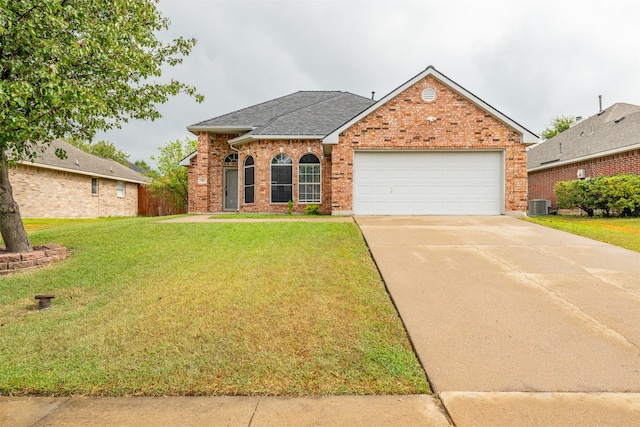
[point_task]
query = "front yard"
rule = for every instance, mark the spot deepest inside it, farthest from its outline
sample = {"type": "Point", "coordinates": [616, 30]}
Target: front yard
{"type": "Point", "coordinates": [623, 232]}
{"type": "Point", "coordinates": [145, 308]}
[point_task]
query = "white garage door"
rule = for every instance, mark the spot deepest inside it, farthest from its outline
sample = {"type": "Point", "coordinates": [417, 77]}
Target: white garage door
{"type": "Point", "coordinates": [428, 183]}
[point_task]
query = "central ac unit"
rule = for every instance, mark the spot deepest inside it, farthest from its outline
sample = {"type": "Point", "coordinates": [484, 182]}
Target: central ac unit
{"type": "Point", "coordinates": [539, 207]}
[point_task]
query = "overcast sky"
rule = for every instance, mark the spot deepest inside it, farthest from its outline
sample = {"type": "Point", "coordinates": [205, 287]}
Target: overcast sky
{"type": "Point", "coordinates": [530, 60]}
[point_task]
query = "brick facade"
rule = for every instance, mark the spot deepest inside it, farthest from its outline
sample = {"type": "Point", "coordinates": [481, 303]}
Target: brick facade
{"type": "Point", "coordinates": [209, 196]}
{"type": "Point", "coordinates": [48, 193]}
{"type": "Point", "coordinates": [402, 123]}
{"type": "Point", "coordinates": [541, 182]}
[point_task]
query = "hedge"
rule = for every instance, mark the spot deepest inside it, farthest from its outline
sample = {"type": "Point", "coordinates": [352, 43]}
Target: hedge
{"type": "Point", "coordinates": [615, 195]}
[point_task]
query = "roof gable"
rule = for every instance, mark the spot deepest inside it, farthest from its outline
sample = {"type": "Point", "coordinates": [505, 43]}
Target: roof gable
{"type": "Point", "coordinates": [83, 163]}
{"type": "Point", "coordinates": [527, 136]}
{"type": "Point", "coordinates": [613, 130]}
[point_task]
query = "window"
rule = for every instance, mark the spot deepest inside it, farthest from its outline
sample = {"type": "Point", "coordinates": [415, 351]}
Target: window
{"type": "Point", "coordinates": [231, 158]}
{"type": "Point", "coordinates": [249, 180]}
{"type": "Point", "coordinates": [281, 179]}
{"type": "Point", "coordinates": [94, 186]}
{"type": "Point", "coordinates": [120, 188]}
{"type": "Point", "coordinates": [309, 179]}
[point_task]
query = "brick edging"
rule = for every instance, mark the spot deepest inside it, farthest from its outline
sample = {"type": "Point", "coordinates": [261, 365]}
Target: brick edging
{"type": "Point", "coordinates": [40, 256]}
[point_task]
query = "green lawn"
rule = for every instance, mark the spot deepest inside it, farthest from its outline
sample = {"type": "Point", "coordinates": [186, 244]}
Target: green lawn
{"type": "Point", "coordinates": [144, 308]}
{"type": "Point", "coordinates": [623, 232]}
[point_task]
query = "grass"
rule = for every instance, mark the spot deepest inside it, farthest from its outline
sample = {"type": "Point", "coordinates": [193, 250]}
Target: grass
{"type": "Point", "coordinates": [144, 308]}
{"type": "Point", "coordinates": [623, 232]}
{"type": "Point", "coordinates": [255, 216]}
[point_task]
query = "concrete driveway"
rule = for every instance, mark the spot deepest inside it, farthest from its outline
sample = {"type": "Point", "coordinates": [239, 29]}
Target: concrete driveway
{"type": "Point", "coordinates": [500, 305]}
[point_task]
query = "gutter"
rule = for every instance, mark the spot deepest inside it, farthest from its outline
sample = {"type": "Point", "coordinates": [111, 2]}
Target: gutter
{"type": "Point", "coordinates": [220, 129]}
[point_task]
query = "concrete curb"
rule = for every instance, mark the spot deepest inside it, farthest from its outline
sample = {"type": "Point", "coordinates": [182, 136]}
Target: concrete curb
{"type": "Point", "coordinates": [254, 411]}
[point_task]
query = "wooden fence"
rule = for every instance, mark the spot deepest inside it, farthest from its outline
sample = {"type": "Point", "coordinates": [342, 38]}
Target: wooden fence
{"type": "Point", "coordinates": [150, 205]}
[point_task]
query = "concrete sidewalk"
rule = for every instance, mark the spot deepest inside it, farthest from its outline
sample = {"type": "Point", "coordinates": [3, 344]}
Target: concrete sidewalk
{"type": "Point", "coordinates": [416, 410]}
{"type": "Point", "coordinates": [504, 314]}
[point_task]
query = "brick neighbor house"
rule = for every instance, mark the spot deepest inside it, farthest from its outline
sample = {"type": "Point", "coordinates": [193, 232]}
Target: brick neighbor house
{"type": "Point", "coordinates": [428, 147]}
{"type": "Point", "coordinates": [605, 144]}
{"type": "Point", "coordinates": [80, 186]}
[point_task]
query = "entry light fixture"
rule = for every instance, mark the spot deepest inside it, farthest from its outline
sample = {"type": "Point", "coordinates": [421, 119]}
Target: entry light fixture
{"type": "Point", "coordinates": [431, 119]}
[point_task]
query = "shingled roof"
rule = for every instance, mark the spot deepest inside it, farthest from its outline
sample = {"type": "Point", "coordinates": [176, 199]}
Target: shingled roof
{"type": "Point", "coordinates": [300, 114]}
{"type": "Point", "coordinates": [85, 164]}
{"type": "Point", "coordinates": [613, 130]}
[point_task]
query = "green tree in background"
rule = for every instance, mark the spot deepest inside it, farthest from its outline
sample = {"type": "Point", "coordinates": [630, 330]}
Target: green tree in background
{"type": "Point", "coordinates": [148, 170]}
{"type": "Point", "coordinates": [102, 149]}
{"type": "Point", "coordinates": [172, 180]}
{"type": "Point", "coordinates": [558, 124]}
{"type": "Point", "coordinates": [69, 68]}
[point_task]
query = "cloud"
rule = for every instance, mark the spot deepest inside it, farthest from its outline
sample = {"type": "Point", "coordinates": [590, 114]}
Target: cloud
{"type": "Point", "coordinates": [530, 60]}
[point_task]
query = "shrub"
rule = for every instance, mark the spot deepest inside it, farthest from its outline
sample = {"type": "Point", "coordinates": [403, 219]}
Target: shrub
{"type": "Point", "coordinates": [312, 210]}
{"type": "Point", "coordinates": [621, 194]}
{"type": "Point", "coordinates": [617, 195]}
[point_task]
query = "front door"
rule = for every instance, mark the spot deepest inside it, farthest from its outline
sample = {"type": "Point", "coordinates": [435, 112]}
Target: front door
{"type": "Point", "coordinates": [231, 189]}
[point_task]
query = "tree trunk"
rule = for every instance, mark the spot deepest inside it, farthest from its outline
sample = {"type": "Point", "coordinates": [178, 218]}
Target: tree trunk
{"type": "Point", "coordinates": [11, 227]}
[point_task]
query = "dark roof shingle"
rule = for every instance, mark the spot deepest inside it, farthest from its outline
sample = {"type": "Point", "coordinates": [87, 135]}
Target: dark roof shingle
{"type": "Point", "coordinates": [300, 113]}
{"type": "Point", "coordinates": [614, 128]}
{"type": "Point", "coordinates": [85, 163]}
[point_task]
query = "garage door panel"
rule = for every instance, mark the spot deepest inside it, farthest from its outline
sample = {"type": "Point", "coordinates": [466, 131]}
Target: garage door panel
{"type": "Point", "coordinates": [427, 183]}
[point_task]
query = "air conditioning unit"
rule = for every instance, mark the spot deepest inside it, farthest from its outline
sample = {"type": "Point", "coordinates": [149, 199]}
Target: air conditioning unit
{"type": "Point", "coordinates": [539, 207]}
{"type": "Point", "coordinates": [581, 174]}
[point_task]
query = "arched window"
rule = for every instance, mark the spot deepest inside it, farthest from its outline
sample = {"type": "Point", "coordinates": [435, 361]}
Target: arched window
{"type": "Point", "coordinates": [281, 178]}
{"type": "Point", "coordinates": [249, 179]}
{"type": "Point", "coordinates": [231, 158]}
{"type": "Point", "coordinates": [309, 179]}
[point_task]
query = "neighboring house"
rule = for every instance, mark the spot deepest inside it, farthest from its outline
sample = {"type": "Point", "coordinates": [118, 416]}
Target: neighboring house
{"type": "Point", "coordinates": [80, 186]}
{"type": "Point", "coordinates": [605, 144]}
{"type": "Point", "coordinates": [428, 147]}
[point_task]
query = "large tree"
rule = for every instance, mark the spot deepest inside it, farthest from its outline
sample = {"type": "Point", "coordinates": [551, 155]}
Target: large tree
{"type": "Point", "coordinates": [172, 180]}
{"type": "Point", "coordinates": [70, 68]}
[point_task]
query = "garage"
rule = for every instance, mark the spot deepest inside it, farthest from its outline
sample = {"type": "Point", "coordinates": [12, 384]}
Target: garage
{"type": "Point", "coordinates": [428, 183]}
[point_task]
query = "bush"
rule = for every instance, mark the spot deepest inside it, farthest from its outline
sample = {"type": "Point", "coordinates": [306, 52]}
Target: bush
{"type": "Point", "coordinates": [312, 210]}
{"type": "Point", "coordinates": [617, 195]}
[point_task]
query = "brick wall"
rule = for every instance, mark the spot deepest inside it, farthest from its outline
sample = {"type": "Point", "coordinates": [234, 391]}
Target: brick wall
{"type": "Point", "coordinates": [47, 193]}
{"type": "Point", "coordinates": [402, 123]}
{"type": "Point", "coordinates": [541, 182]}
{"type": "Point", "coordinates": [263, 152]}
{"type": "Point", "coordinates": [209, 197]}
{"type": "Point", "coordinates": [206, 174]}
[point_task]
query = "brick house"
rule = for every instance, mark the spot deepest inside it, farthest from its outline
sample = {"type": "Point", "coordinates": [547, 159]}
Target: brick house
{"type": "Point", "coordinates": [607, 143]}
{"type": "Point", "coordinates": [428, 147]}
{"type": "Point", "coordinates": [80, 186]}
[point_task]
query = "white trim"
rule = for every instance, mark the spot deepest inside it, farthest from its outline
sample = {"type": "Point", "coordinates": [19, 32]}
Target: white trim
{"type": "Point", "coordinates": [187, 160]}
{"type": "Point", "coordinates": [528, 137]}
{"type": "Point", "coordinates": [585, 158]}
{"type": "Point", "coordinates": [300, 184]}
{"type": "Point", "coordinates": [502, 171]}
{"type": "Point", "coordinates": [124, 189]}
{"type": "Point", "coordinates": [79, 172]}
{"type": "Point", "coordinates": [248, 138]}
{"type": "Point", "coordinates": [219, 129]}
